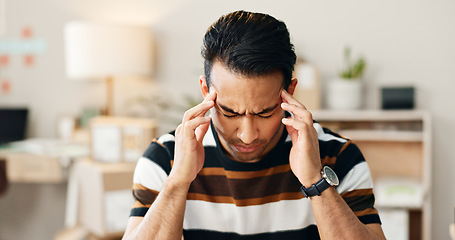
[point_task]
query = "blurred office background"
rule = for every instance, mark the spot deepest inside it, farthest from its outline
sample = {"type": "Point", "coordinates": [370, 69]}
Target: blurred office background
{"type": "Point", "coordinates": [405, 43]}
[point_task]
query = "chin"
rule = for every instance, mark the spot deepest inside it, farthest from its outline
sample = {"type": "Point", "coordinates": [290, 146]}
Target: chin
{"type": "Point", "coordinates": [247, 157]}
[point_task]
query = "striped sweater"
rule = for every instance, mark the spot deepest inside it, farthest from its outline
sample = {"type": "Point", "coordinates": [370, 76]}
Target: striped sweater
{"type": "Point", "coordinates": [260, 200]}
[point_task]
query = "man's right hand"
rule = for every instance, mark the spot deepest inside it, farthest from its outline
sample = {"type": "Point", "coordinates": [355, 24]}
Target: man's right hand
{"type": "Point", "coordinates": [188, 162]}
{"type": "Point", "coordinates": [189, 151]}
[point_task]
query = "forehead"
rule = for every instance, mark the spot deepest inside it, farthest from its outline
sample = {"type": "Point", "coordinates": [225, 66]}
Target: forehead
{"type": "Point", "coordinates": [245, 93]}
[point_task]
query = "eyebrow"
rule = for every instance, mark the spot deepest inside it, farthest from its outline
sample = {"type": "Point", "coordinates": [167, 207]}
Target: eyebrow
{"type": "Point", "coordinates": [264, 111]}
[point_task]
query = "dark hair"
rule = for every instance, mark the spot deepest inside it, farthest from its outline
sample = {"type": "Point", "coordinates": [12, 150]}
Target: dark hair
{"type": "Point", "coordinates": [251, 44]}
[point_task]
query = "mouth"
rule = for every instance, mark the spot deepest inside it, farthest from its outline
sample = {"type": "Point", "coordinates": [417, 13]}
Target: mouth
{"type": "Point", "coordinates": [246, 148]}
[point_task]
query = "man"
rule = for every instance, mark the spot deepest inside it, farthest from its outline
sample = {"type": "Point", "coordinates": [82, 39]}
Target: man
{"type": "Point", "coordinates": [252, 169]}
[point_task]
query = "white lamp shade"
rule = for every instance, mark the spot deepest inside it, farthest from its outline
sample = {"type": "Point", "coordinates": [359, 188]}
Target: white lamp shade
{"type": "Point", "coordinates": [99, 51]}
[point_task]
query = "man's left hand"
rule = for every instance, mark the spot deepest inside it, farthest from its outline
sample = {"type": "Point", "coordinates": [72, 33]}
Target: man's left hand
{"type": "Point", "coordinates": [304, 157]}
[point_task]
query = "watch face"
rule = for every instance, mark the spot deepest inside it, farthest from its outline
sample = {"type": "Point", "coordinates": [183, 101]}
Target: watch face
{"type": "Point", "coordinates": [332, 178]}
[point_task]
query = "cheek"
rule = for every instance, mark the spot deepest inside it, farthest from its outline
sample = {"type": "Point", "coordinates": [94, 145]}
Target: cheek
{"type": "Point", "coordinates": [268, 127]}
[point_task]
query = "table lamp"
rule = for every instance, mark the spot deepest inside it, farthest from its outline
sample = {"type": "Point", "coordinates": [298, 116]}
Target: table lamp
{"type": "Point", "coordinates": [98, 51]}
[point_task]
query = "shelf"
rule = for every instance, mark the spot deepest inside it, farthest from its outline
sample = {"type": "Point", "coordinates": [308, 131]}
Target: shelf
{"type": "Point", "coordinates": [370, 115]}
{"type": "Point", "coordinates": [379, 135]}
{"type": "Point", "coordinates": [408, 208]}
{"type": "Point", "coordinates": [395, 144]}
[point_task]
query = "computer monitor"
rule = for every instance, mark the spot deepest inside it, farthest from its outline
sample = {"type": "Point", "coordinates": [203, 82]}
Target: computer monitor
{"type": "Point", "coordinates": [13, 124]}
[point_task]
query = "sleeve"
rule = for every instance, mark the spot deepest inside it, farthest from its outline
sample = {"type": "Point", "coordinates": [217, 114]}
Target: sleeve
{"type": "Point", "coordinates": [151, 171]}
{"type": "Point", "coordinates": [356, 186]}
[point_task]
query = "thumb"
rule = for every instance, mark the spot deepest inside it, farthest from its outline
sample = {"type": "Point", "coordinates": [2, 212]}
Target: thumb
{"type": "Point", "coordinates": [293, 133]}
{"type": "Point", "coordinates": [201, 131]}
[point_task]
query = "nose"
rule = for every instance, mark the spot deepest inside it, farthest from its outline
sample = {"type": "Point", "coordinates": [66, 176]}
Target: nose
{"type": "Point", "coordinates": [247, 131]}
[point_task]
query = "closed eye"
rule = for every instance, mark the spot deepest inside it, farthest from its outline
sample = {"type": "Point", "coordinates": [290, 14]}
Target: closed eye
{"type": "Point", "coordinates": [262, 116]}
{"type": "Point", "coordinates": [237, 115]}
{"type": "Point", "coordinates": [230, 116]}
{"type": "Point", "coordinates": [229, 113]}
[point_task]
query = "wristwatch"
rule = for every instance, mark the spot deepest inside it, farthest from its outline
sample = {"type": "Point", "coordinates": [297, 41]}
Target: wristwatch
{"type": "Point", "coordinates": [329, 178]}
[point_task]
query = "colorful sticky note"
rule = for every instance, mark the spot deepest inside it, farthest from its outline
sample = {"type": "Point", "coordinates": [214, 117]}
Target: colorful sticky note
{"type": "Point", "coordinates": [4, 60]}
{"type": "Point", "coordinates": [27, 32]}
{"type": "Point", "coordinates": [5, 86]}
{"type": "Point", "coordinates": [29, 60]}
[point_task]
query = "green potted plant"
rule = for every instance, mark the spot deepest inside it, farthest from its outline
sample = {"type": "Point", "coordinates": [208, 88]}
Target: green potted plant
{"type": "Point", "coordinates": [352, 69]}
{"type": "Point", "coordinates": [345, 91]}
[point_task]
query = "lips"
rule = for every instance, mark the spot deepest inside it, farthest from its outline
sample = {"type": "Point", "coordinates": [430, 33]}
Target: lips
{"type": "Point", "coordinates": [246, 148]}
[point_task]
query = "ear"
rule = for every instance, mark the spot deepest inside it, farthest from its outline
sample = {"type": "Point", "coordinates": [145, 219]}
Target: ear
{"type": "Point", "coordinates": [203, 86]}
{"type": "Point", "coordinates": [292, 86]}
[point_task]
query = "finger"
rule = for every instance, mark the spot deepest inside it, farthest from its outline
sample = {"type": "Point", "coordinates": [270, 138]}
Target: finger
{"type": "Point", "coordinates": [304, 117]}
{"type": "Point", "coordinates": [299, 112]}
{"type": "Point", "coordinates": [300, 126]}
{"type": "Point", "coordinates": [293, 133]}
{"type": "Point", "coordinates": [199, 110]}
{"type": "Point", "coordinates": [202, 108]}
{"type": "Point", "coordinates": [303, 131]}
{"type": "Point", "coordinates": [201, 131]}
{"type": "Point", "coordinates": [189, 127]}
{"type": "Point", "coordinates": [296, 108]}
{"type": "Point", "coordinates": [179, 129]}
{"type": "Point", "coordinates": [288, 98]}
{"type": "Point", "coordinates": [210, 97]}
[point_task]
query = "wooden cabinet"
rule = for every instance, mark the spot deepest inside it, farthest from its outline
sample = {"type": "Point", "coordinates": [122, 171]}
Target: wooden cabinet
{"type": "Point", "coordinates": [396, 144]}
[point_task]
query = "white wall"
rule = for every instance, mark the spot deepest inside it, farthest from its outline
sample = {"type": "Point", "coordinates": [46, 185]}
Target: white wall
{"type": "Point", "coordinates": [405, 42]}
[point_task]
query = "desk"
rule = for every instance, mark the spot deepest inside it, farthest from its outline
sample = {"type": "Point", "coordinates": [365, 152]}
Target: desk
{"type": "Point", "coordinates": [41, 160]}
{"type": "Point", "coordinates": [99, 197]}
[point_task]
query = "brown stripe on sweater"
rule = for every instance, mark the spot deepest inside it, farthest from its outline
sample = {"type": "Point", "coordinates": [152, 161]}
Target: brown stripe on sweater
{"type": "Point", "coordinates": [138, 204]}
{"type": "Point", "coordinates": [358, 192]}
{"type": "Point", "coordinates": [368, 211]}
{"type": "Point", "coordinates": [156, 141]}
{"type": "Point", "coordinates": [328, 161]}
{"type": "Point", "coordinates": [258, 187]}
{"type": "Point", "coordinates": [245, 202]}
{"type": "Point", "coordinates": [244, 174]}
{"type": "Point", "coordinates": [345, 145]}
{"type": "Point", "coordinates": [359, 200]}
{"type": "Point", "coordinates": [144, 195]}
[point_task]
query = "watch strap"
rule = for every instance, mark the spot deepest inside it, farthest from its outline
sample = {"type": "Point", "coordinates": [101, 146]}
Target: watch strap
{"type": "Point", "coordinates": [315, 189]}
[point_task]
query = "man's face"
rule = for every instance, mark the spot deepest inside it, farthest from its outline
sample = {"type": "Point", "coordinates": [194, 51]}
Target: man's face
{"type": "Point", "coordinates": [247, 113]}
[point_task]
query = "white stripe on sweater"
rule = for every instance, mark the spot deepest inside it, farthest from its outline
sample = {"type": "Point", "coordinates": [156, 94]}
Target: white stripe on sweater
{"type": "Point", "coordinates": [270, 217]}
